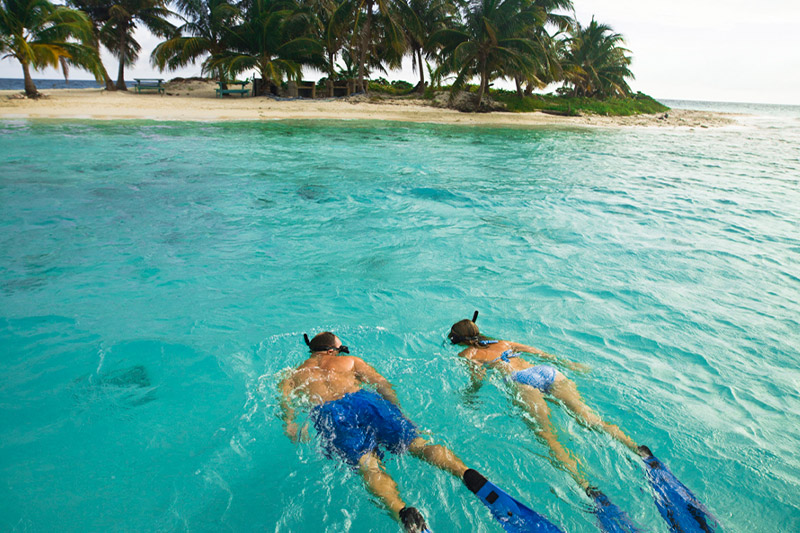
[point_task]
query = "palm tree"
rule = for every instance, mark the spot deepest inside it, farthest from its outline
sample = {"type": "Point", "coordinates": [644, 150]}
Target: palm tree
{"type": "Point", "coordinates": [97, 11]}
{"type": "Point", "coordinates": [274, 38]}
{"type": "Point", "coordinates": [595, 62]}
{"type": "Point", "coordinates": [392, 41]}
{"type": "Point", "coordinates": [491, 43]}
{"type": "Point", "coordinates": [39, 34]}
{"type": "Point", "coordinates": [333, 28]}
{"type": "Point", "coordinates": [124, 17]}
{"type": "Point", "coordinates": [548, 58]}
{"type": "Point", "coordinates": [421, 19]}
{"type": "Point", "coordinates": [206, 32]}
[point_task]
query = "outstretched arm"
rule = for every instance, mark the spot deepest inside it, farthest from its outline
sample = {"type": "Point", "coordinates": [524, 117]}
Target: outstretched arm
{"type": "Point", "coordinates": [367, 374]}
{"type": "Point", "coordinates": [477, 373]}
{"type": "Point", "coordinates": [550, 357]}
{"type": "Point", "coordinates": [290, 427]}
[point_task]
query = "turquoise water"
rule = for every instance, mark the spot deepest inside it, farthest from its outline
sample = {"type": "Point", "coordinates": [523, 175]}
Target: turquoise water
{"type": "Point", "coordinates": [156, 279]}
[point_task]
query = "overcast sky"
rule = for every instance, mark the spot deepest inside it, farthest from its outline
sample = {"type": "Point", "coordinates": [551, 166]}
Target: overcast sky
{"type": "Point", "coordinates": [716, 50]}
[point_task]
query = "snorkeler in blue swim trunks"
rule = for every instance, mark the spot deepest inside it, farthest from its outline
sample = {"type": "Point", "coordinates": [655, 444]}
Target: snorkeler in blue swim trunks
{"type": "Point", "coordinates": [358, 424]}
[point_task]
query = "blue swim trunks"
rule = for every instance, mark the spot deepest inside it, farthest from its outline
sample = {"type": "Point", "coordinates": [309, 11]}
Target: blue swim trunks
{"type": "Point", "coordinates": [359, 423]}
{"type": "Point", "coordinates": [541, 377]}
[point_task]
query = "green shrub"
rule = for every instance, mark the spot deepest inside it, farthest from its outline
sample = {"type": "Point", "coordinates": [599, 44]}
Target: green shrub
{"type": "Point", "coordinates": [396, 88]}
{"type": "Point", "coordinates": [402, 85]}
{"type": "Point", "coordinates": [637, 104]}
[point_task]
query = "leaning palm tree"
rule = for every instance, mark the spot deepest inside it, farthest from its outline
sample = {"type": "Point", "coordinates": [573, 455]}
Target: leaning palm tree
{"type": "Point", "coordinates": [124, 17]}
{"type": "Point", "coordinates": [595, 62]}
{"type": "Point", "coordinates": [491, 43]}
{"type": "Point", "coordinates": [39, 34]}
{"type": "Point", "coordinates": [274, 39]}
{"type": "Point", "coordinates": [97, 11]}
{"type": "Point", "coordinates": [205, 33]}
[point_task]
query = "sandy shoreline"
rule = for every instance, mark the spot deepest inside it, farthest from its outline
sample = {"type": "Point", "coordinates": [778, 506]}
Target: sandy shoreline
{"type": "Point", "coordinates": [196, 102]}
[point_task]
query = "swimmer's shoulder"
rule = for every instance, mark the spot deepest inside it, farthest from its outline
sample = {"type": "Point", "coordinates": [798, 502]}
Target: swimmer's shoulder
{"type": "Point", "coordinates": [487, 353]}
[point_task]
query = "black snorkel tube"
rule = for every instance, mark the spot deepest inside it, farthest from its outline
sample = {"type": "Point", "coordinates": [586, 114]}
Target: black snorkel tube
{"type": "Point", "coordinates": [325, 348]}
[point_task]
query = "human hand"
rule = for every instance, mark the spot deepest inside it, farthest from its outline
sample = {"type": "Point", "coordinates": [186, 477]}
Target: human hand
{"type": "Point", "coordinates": [296, 433]}
{"type": "Point", "coordinates": [304, 436]}
{"type": "Point", "coordinates": [578, 367]}
{"type": "Point", "coordinates": [290, 429]}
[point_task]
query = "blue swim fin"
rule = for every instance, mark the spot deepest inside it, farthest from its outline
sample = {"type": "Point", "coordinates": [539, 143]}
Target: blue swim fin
{"type": "Point", "coordinates": [676, 503]}
{"type": "Point", "coordinates": [512, 515]}
{"type": "Point", "coordinates": [611, 518]}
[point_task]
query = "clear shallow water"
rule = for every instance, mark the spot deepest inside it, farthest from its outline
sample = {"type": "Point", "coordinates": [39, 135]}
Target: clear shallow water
{"type": "Point", "coordinates": [156, 279]}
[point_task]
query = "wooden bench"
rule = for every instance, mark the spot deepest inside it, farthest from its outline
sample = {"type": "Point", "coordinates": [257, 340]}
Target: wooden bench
{"type": "Point", "coordinates": [221, 92]}
{"type": "Point", "coordinates": [150, 84]}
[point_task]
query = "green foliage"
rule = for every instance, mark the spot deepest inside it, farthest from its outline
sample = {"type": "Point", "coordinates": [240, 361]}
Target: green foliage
{"type": "Point", "coordinates": [595, 62]}
{"type": "Point", "coordinates": [396, 88]}
{"type": "Point", "coordinates": [120, 21]}
{"type": "Point", "coordinates": [465, 40]}
{"type": "Point", "coordinates": [639, 104]}
{"type": "Point", "coordinates": [273, 38]}
{"type": "Point", "coordinates": [492, 42]}
{"type": "Point", "coordinates": [39, 34]}
{"type": "Point", "coordinates": [204, 34]}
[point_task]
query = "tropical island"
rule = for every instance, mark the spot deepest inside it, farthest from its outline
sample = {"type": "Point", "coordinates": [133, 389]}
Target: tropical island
{"type": "Point", "coordinates": [531, 44]}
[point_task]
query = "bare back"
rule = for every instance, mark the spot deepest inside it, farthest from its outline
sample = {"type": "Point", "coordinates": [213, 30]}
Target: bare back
{"type": "Point", "coordinates": [325, 378]}
{"type": "Point", "coordinates": [489, 355]}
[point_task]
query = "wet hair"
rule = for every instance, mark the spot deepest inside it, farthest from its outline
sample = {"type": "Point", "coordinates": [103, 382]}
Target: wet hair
{"type": "Point", "coordinates": [322, 341]}
{"type": "Point", "coordinates": [465, 332]}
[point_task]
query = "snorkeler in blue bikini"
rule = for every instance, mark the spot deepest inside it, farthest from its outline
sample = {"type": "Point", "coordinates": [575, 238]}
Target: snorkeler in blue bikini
{"type": "Point", "coordinates": [679, 507]}
{"type": "Point", "coordinates": [357, 424]}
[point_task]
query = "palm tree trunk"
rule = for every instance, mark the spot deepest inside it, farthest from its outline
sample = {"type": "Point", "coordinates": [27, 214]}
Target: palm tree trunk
{"type": "Point", "coordinates": [365, 40]}
{"type": "Point", "coordinates": [519, 87]}
{"type": "Point", "coordinates": [121, 53]}
{"type": "Point", "coordinates": [222, 80]}
{"type": "Point", "coordinates": [121, 76]}
{"type": "Point", "coordinates": [421, 86]}
{"type": "Point", "coordinates": [481, 89]}
{"type": "Point", "coordinates": [30, 87]}
{"type": "Point", "coordinates": [103, 72]}
{"type": "Point", "coordinates": [331, 74]}
{"type": "Point", "coordinates": [107, 79]}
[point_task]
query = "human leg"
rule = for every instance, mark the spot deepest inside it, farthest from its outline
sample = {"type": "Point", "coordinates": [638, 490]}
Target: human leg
{"type": "Point", "coordinates": [437, 455]}
{"type": "Point", "coordinates": [532, 400]}
{"type": "Point", "coordinates": [565, 390]}
{"type": "Point", "coordinates": [380, 483]}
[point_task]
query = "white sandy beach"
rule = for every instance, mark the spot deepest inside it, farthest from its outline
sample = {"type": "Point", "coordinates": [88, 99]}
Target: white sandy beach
{"type": "Point", "coordinates": [195, 101]}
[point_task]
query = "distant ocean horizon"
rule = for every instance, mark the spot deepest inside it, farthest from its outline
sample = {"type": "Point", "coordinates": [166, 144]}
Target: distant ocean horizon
{"type": "Point", "coordinates": [11, 84]}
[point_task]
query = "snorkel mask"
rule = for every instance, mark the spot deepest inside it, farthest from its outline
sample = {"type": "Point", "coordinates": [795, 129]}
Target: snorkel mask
{"type": "Point", "coordinates": [458, 339]}
{"type": "Point", "coordinates": [323, 347]}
